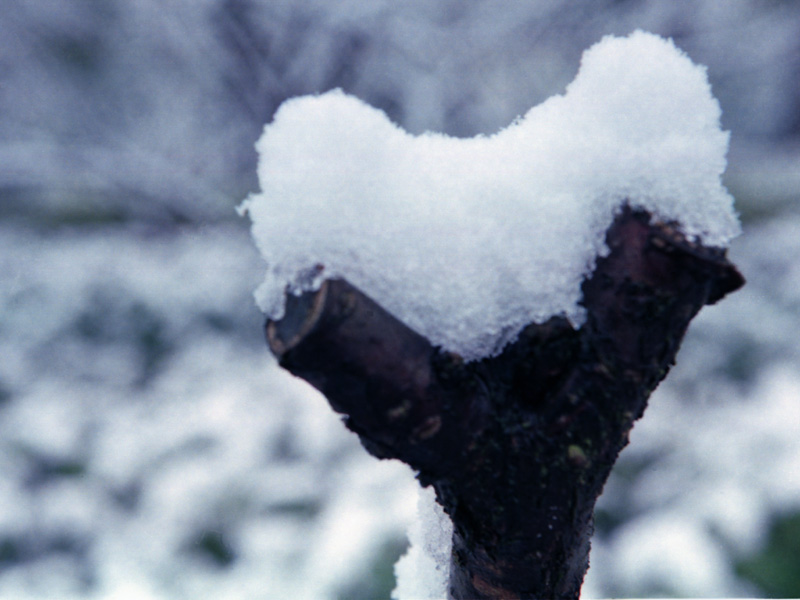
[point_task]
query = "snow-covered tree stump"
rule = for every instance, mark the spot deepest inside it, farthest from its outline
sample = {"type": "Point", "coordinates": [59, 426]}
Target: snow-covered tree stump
{"type": "Point", "coordinates": [517, 446]}
{"type": "Point", "coordinates": [495, 311]}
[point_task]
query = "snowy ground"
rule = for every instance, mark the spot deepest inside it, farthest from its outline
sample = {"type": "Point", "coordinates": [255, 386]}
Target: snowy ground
{"type": "Point", "coordinates": [151, 449]}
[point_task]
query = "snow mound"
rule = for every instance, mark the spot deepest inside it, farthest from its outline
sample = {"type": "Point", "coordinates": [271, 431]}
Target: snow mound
{"type": "Point", "coordinates": [469, 240]}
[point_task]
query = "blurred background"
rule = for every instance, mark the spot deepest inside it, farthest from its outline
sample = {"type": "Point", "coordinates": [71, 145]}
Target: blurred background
{"type": "Point", "coordinates": [149, 446]}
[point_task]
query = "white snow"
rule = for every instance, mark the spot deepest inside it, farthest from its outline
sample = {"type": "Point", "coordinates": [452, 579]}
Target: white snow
{"type": "Point", "coordinates": [469, 240]}
{"type": "Point", "coordinates": [423, 571]}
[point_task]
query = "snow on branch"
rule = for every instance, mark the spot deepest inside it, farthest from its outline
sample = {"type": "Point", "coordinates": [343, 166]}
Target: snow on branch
{"type": "Point", "coordinates": [469, 240]}
{"type": "Point", "coordinates": [496, 311]}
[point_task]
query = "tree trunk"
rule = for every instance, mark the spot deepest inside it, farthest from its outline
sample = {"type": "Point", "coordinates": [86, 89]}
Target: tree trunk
{"type": "Point", "coordinates": [517, 446]}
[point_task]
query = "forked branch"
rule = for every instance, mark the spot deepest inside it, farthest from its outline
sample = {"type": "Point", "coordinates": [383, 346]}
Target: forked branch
{"type": "Point", "coordinates": [517, 446]}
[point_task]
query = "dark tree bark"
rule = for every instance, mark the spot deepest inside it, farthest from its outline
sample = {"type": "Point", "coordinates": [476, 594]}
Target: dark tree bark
{"type": "Point", "coordinates": [517, 446]}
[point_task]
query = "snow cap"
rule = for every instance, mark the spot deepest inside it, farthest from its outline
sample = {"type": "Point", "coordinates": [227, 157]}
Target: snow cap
{"type": "Point", "coordinates": [469, 240]}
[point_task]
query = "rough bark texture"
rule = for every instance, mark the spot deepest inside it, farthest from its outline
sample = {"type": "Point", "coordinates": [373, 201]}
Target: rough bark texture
{"type": "Point", "coordinates": [518, 446]}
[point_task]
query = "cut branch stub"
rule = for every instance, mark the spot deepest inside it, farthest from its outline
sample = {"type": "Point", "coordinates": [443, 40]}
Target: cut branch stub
{"type": "Point", "coordinates": [384, 377]}
{"type": "Point", "coordinates": [518, 446]}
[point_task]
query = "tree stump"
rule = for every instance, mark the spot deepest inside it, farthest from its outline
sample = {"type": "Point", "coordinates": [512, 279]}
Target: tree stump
{"type": "Point", "coordinates": [517, 446]}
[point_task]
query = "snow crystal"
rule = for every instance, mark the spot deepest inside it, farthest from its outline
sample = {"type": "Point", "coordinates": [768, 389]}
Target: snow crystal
{"type": "Point", "coordinates": [469, 240]}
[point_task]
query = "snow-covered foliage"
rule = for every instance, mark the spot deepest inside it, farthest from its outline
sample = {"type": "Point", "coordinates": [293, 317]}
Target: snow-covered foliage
{"type": "Point", "coordinates": [150, 450]}
{"type": "Point", "coordinates": [469, 240]}
{"type": "Point", "coordinates": [149, 110]}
